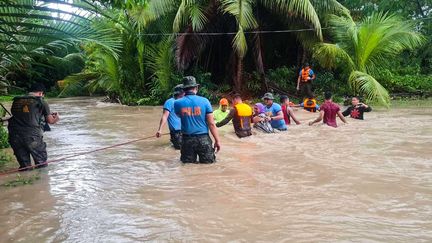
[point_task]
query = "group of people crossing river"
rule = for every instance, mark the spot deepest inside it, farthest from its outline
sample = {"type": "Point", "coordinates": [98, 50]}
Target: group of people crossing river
{"type": "Point", "coordinates": [190, 117]}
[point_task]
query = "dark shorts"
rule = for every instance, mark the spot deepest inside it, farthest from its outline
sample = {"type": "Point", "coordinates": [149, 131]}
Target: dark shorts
{"type": "Point", "coordinates": [176, 139]}
{"type": "Point", "coordinates": [24, 146]}
{"type": "Point", "coordinates": [201, 146]}
{"type": "Point", "coordinates": [306, 89]}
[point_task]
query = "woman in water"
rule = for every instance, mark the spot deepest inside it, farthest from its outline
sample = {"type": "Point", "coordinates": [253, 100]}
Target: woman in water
{"type": "Point", "coordinates": [261, 120]}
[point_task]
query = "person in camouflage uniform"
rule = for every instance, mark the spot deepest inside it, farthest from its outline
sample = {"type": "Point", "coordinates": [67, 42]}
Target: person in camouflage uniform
{"type": "Point", "coordinates": [26, 130]}
{"type": "Point", "coordinates": [196, 116]}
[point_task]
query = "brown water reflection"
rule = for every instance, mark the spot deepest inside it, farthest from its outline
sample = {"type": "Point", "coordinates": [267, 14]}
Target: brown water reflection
{"type": "Point", "coordinates": [366, 181]}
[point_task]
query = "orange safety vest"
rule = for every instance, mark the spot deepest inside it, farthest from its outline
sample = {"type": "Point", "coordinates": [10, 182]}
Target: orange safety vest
{"type": "Point", "coordinates": [305, 74]}
{"type": "Point", "coordinates": [310, 104]}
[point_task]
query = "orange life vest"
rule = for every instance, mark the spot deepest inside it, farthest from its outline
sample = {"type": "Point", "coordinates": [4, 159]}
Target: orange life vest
{"type": "Point", "coordinates": [305, 74]}
{"type": "Point", "coordinates": [309, 104]}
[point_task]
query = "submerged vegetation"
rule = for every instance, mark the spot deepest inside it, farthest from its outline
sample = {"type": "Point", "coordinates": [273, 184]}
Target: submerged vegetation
{"type": "Point", "coordinates": [135, 51]}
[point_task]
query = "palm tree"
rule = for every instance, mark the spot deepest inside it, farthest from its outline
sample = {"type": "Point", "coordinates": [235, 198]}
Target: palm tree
{"type": "Point", "coordinates": [34, 27]}
{"type": "Point", "coordinates": [363, 49]}
{"type": "Point", "coordinates": [206, 16]}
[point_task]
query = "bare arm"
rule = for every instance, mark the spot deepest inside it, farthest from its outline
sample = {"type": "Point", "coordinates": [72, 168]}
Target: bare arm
{"type": "Point", "coordinates": [291, 113]}
{"type": "Point", "coordinates": [319, 118]}
{"type": "Point", "coordinates": [279, 116]}
{"type": "Point", "coordinates": [162, 122]}
{"type": "Point", "coordinates": [53, 118]}
{"type": "Point", "coordinates": [298, 83]}
{"type": "Point", "coordinates": [340, 115]}
{"type": "Point", "coordinates": [213, 129]}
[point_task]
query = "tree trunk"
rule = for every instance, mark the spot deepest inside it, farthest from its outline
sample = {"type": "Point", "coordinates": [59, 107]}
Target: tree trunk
{"type": "Point", "coordinates": [238, 75]}
{"type": "Point", "coordinates": [259, 62]}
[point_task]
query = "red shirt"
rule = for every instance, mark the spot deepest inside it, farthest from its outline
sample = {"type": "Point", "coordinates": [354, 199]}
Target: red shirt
{"type": "Point", "coordinates": [286, 116]}
{"type": "Point", "coordinates": [330, 111]}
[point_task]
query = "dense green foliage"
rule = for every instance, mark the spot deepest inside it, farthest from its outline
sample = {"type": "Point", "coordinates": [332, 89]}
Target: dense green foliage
{"type": "Point", "coordinates": [136, 51]}
{"type": "Point", "coordinates": [4, 138]}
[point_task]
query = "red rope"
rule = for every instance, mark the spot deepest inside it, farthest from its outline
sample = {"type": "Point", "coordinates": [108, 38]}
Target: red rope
{"type": "Point", "coordinates": [77, 154]}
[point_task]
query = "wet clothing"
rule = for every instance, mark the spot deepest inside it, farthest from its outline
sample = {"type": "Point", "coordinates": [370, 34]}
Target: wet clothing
{"type": "Point", "coordinates": [287, 117]}
{"type": "Point", "coordinates": [25, 145]}
{"type": "Point", "coordinates": [310, 105]}
{"type": "Point", "coordinates": [241, 115]}
{"type": "Point", "coordinates": [176, 139]}
{"type": "Point", "coordinates": [28, 112]}
{"type": "Point", "coordinates": [174, 122]}
{"type": "Point", "coordinates": [192, 110]}
{"type": "Point", "coordinates": [330, 111]}
{"type": "Point", "coordinates": [272, 111]}
{"type": "Point", "coordinates": [219, 115]}
{"type": "Point", "coordinates": [26, 130]}
{"type": "Point", "coordinates": [198, 145]}
{"type": "Point", "coordinates": [264, 126]}
{"type": "Point", "coordinates": [356, 112]}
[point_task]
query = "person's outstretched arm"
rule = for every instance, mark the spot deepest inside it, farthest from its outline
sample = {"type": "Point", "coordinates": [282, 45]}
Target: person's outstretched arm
{"type": "Point", "coordinates": [319, 118]}
{"type": "Point", "coordinates": [213, 129]}
{"type": "Point", "coordinates": [347, 112]}
{"type": "Point", "coordinates": [339, 113]}
{"type": "Point", "coordinates": [291, 113]}
{"type": "Point", "coordinates": [227, 119]}
{"type": "Point", "coordinates": [162, 122]}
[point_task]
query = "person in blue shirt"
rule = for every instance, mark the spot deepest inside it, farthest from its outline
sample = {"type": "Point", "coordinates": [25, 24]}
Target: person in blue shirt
{"type": "Point", "coordinates": [169, 115]}
{"type": "Point", "coordinates": [304, 81]}
{"type": "Point", "coordinates": [196, 116]}
{"type": "Point", "coordinates": [274, 111]}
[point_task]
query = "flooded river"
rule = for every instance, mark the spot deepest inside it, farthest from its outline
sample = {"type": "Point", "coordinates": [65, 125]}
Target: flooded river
{"type": "Point", "coordinates": [368, 181]}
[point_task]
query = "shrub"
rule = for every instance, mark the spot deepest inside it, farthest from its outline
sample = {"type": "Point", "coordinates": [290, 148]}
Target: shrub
{"type": "Point", "coordinates": [4, 138]}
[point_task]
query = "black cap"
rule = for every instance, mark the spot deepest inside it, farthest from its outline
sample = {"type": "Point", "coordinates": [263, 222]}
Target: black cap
{"type": "Point", "coordinates": [189, 82]}
{"type": "Point", "coordinates": [37, 87]}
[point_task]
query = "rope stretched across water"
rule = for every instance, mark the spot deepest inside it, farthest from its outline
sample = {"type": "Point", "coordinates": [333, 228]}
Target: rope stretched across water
{"type": "Point", "coordinates": [77, 155]}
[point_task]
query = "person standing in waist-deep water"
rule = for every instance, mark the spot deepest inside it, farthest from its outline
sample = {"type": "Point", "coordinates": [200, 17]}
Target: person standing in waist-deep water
{"type": "Point", "coordinates": [26, 130]}
{"type": "Point", "coordinates": [241, 114]}
{"type": "Point", "coordinates": [328, 112]}
{"type": "Point", "coordinates": [287, 111]}
{"type": "Point", "coordinates": [357, 109]}
{"type": "Point", "coordinates": [169, 115]}
{"type": "Point", "coordinates": [223, 110]}
{"type": "Point", "coordinates": [261, 120]}
{"type": "Point", "coordinates": [304, 80]}
{"type": "Point", "coordinates": [274, 112]}
{"type": "Point", "coordinates": [196, 117]}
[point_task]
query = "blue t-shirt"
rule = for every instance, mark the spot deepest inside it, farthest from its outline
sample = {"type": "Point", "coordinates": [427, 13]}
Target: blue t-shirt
{"type": "Point", "coordinates": [174, 123]}
{"type": "Point", "coordinates": [274, 109]}
{"type": "Point", "coordinates": [192, 110]}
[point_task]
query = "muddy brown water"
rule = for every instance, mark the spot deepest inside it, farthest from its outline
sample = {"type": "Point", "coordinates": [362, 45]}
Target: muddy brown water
{"type": "Point", "coordinates": [368, 181]}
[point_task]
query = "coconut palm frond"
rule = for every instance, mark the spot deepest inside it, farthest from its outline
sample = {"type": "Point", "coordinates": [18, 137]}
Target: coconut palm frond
{"type": "Point", "coordinates": [331, 55]}
{"type": "Point", "coordinates": [365, 84]}
{"type": "Point", "coordinates": [299, 8]}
